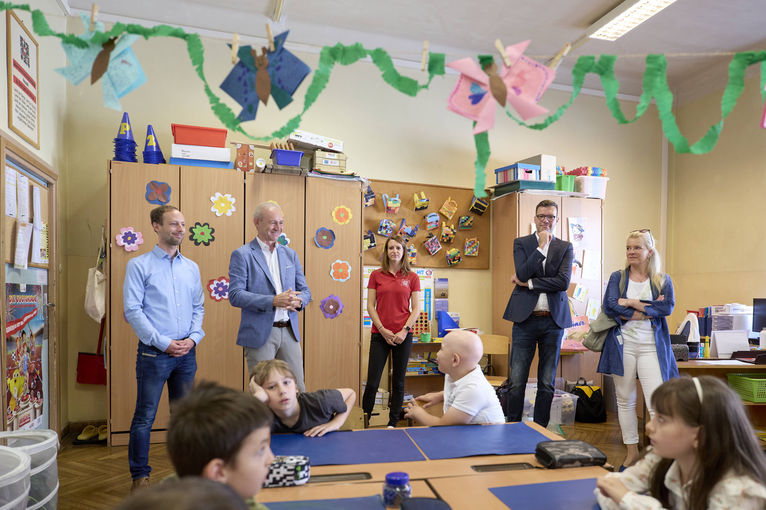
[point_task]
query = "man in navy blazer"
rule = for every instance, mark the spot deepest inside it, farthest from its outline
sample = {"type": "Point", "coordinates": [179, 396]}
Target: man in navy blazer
{"type": "Point", "coordinates": [539, 309]}
{"type": "Point", "coordinates": [266, 281]}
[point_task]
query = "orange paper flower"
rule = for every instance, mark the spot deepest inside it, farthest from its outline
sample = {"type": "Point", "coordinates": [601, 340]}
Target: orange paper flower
{"type": "Point", "coordinates": [340, 270]}
{"type": "Point", "coordinates": [341, 215]}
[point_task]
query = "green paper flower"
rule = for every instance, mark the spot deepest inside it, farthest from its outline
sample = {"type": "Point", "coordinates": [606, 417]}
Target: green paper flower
{"type": "Point", "coordinates": [201, 233]}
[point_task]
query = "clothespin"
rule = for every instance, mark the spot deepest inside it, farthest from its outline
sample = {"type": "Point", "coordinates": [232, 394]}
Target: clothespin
{"type": "Point", "coordinates": [501, 50]}
{"type": "Point", "coordinates": [93, 14]}
{"type": "Point", "coordinates": [563, 52]}
{"type": "Point", "coordinates": [424, 56]}
{"type": "Point", "coordinates": [270, 36]}
{"type": "Point", "coordinates": [277, 10]}
{"type": "Point", "coordinates": [234, 48]}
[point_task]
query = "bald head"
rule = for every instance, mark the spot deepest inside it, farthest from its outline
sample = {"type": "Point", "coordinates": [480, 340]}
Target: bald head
{"type": "Point", "coordinates": [467, 345]}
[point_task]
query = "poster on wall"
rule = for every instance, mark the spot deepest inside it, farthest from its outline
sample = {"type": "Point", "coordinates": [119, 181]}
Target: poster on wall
{"type": "Point", "coordinates": [25, 340]}
{"type": "Point", "coordinates": [426, 276]}
{"type": "Point", "coordinates": [23, 81]}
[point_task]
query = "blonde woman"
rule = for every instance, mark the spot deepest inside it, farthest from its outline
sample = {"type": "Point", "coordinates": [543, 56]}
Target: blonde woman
{"type": "Point", "coordinates": [640, 343]}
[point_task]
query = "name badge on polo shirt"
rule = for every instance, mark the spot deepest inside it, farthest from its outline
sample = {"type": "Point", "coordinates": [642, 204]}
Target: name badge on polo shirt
{"type": "Point", "coordinates": [404, 283]}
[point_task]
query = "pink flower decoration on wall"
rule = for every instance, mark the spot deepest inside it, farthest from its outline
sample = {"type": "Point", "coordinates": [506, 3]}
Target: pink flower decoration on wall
{"type": "Point", "coordinates": [219, 288]}
{"type": "Point", "coordinates": [129, 239]}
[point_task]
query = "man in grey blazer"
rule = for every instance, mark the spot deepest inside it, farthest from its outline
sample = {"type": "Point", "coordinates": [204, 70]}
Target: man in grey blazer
{"type": "Point", "coordinates": [539, 309]}
{"type": "Point", "coordinates": [266, 281]}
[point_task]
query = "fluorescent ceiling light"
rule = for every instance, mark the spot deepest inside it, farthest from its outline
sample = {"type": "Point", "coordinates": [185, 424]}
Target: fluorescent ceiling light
{"type": "Point", "coordinates": [625, 17]}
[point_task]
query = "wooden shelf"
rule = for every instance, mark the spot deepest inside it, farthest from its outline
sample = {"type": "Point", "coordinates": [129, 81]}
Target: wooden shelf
{"type": "Point", "coordinates": [424, 375]}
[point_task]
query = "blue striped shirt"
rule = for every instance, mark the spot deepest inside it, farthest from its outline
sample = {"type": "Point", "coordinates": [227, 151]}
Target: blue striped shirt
{"type": "Point", "coordinates": [163, 298]}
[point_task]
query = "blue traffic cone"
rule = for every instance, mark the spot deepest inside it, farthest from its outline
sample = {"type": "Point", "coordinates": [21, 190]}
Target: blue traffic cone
{"type": "Point", "coordinates": [152, 151]}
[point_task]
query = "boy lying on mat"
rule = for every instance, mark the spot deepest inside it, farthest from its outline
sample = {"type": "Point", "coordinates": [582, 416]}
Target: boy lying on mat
{"type": "Point", "coordinates": [468, 397]}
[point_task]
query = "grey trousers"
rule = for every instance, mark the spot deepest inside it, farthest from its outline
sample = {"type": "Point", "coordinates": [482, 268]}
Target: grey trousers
{"type": "Point", "coordinates": [281, 344]}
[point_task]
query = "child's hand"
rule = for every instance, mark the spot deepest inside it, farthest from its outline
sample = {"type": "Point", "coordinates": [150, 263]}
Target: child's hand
{"type": "Point", "coordinates": [612, 487]}
{"type": "Point", "coordinates": [428, 400]}
{"type": "Point", "coordinates": [414, 411]}
{"type": "Point", "coordinates": [257, 391]}
{"type": "Point", "coordinates": [321, 430]}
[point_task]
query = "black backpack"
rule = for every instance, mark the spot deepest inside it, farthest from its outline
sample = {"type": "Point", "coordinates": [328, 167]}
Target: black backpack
{"type": "Point", "coordinates": [503, 393]}
{"type": "Point", "coordinates": [590, 408]}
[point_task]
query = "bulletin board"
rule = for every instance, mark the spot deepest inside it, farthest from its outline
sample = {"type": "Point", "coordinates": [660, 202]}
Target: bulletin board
{"type": "Point", "coordinates": [436, 195]}
{"type": "Point", "coordinates": [10, 227]}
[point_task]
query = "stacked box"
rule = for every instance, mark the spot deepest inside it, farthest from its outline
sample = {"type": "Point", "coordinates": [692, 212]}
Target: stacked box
{"type": "Point", "coordinates": [517, 172]}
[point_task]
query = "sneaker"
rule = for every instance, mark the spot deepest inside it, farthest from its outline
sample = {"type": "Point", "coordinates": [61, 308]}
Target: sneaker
{"type": "Point", "coordinates": [390, 427]}
{"type": "Point", "coordinates": [140, 483]}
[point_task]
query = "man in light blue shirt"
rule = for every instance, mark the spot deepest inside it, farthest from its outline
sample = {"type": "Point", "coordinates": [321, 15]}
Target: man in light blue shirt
{"type": "Point", "coordinates": [163, 302]}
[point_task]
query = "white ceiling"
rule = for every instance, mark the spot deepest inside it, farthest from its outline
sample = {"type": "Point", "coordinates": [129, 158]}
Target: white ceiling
{"type": "Point", "coordinates": [463, 28]}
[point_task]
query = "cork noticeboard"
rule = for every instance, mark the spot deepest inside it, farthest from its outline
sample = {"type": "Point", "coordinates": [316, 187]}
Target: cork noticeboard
{"type": "Point", "coordinates": [437, 195]}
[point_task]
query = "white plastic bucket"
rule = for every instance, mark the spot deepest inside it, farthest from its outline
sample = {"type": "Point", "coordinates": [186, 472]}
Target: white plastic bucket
{"type": "Point", "coordinates": [14, 478]}
{"type": "Point", "coordinates": [42, 447]}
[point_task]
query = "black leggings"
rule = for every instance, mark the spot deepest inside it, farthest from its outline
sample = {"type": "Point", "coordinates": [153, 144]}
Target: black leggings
{"type": "Point", "coordinates": [379, 350]}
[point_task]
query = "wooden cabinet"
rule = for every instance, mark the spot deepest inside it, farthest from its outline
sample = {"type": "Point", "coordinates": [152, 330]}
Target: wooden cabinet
{"type": "Point", "coordinates": [513, 217]}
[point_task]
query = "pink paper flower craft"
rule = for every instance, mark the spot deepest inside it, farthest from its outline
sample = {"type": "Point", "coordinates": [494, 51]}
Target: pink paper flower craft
{"type": "Point", "coordinates": [129, 239]}
{"type": "Point", "coordinates": [340, 271]}
{"type": "Point", "coordinates": [331, 306]}
{"type": "Point", "coordinates": [525, 81]}
{"type": "Point", "coordinates": [219, 288]}
{"type": "Point", "coordinates": [223, 204]}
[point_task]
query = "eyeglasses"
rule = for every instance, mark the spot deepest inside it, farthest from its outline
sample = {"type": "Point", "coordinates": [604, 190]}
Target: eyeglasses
{"type": "Point", "coordinates": [644, 231]}
{"type": "Point", "coordinates": [543, 217]}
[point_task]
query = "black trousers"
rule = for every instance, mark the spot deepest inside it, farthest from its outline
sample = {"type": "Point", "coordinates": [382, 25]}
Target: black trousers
{"type": "Point", "coordinates": [379, 350]}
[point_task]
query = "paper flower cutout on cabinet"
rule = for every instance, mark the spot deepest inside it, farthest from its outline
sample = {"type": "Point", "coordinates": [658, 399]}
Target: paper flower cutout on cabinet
{"type": "Point", "coordinates": [340, 271]}
{"type": "Point", "coordinates": [283, 239]}
{"type": "Point", "coordinates": [223, 204]}
{"type": "Point", "coordinates": [331, 306]}
{"type": "Point", "coordinates": [157, 192]}
{"type": "Point", "coordinates": [368, 240]}
{"type": "Point", "coordinates": [219, 288]}
{"type": "Point", "coordinates": [341, 215]}
{"type": "Point", "coordinates": [324, 238]}
{"type": "Point", "coordinates": [129, 239]}
{"type": "Point", "coordinates": [201, 233]}
{"type": "Point", "coordinates": [471, 247]}
{"type": "Point", "coordinates": [453, 257]}
{"type": "Point", "coordinates": [525, 82]}
{"type": "Point", "coordinates": [465, 223]}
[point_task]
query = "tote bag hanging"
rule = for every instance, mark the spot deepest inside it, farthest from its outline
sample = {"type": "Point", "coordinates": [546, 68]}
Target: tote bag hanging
{"type": "Point", "coordinates": [95, 288]}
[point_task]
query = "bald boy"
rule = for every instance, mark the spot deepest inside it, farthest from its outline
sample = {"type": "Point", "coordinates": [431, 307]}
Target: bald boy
{"type": "Point", "coordinates": [467, 396]}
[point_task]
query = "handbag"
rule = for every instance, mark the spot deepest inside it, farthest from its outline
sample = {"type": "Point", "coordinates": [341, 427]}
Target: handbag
{"type": "Point", "coordinates": [568, 453]}
{"type": "Point", "coordinates": [91, 368]}
{"type": "Point", "coordinates": [503, 393]}
{"type": "Point", "coordinates": [95, 288]}
{"type": "Point", "coordinates": [594, 339]}
{"type": "Point", "coordinates": [591, 407]}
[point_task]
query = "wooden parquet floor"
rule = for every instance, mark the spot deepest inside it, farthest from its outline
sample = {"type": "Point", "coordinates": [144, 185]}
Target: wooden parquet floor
{"type": "Point", "coordinates": [96, 477]}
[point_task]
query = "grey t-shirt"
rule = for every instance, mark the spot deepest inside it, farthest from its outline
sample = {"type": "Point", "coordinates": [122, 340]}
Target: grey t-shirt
{"type": "Point", "coordinates": [317, 407]}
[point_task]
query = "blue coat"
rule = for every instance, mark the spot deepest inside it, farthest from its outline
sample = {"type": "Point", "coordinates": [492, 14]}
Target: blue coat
{"type": "Point", "coordinates": [252, 289]}
{"type": "Point", "coordinates": [611, 355]}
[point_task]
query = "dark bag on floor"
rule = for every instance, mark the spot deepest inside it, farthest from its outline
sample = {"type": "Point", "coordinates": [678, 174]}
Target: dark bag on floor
{"type": "Point", "coordinates": [503, 393]}
{"type": "Point", "coordinates": [91, 368]}
{"type": "Point", "coordinates": [591, 407]}
{"type": "Point", "coordinates": [568, 453]}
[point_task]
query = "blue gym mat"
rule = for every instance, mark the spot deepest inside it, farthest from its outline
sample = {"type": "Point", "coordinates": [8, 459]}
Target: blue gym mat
{"type": "Point", "coordinates": [571, 494]}
{"type": "Point", "coordinates": [365, 503]}
{"type": "Point", "coordinates": [468, 440]}
{"type": "Point", "coordinates": [349, 447]}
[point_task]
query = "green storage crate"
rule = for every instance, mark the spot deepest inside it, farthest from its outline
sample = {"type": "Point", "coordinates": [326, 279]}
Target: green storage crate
{"type": "Point", "coordinates": [751, 387]}
{"type": "Point", "coordinates": [565, 182]}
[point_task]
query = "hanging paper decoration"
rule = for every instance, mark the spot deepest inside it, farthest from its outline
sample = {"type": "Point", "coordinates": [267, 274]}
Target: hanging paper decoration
{"type": "Point", "coordinates": [283, 239]}
{"type": "Point", "coordinates": [369, 197]}
{"type": "Point", "coordinates": [129, 239]}
{"type": "Point", "coordinates": [219, 288]}
{"type": "Point", "coordinates": [368, 240]}
{"type": "Point", "coordinates": [331, 306]}
{"type": "Point", "coordinates": [432, 221]}
{"type": "Point", "coordinates": [432, 244]}
{"type": "Point", "coordinates": [262, 78]}
{"type": "Point", "coordinates": [479, 205]}
{"type": "Point", "coordinates": [324, 238]}
{"type": "Point", "coordinates": [449, 208]}
{"type": "Point", "coordinates": [471, 247]}
{"type": "Point", "coordinates": [223, 204]}
{"type": "Point", "coordinates": [285, 70]}
{"type": "Point", "coordinates": [453, 257]}
{"type": "Point", "coordinates": [421, 202]}
{"type": "Point", "coordinates": [341, 215]}
{"type": "Point", "coordinates": [245, 160]}
{"type": "Point", "coordinates": [157, 192]}
{"type": "Point", "coordinates": [201, 233]}
{"type": "Point", "coordinates": [525, 80]}
{"type": "Point", "coordinates": [119, 69]}
{"type": "Point", "coordinates": [448, 233]}
{"type": "Point", "coordinates": [465, 223]}
{"type": "Point", "coordinates": [340, 271]}
{"type": "Point", "coordinates": [391, 204]}
{"type": "Point", "coordinates": [407, 231]}
{"type": "Point", "coordinates": [412, 255]}
{"type": "Point", "coordinates": [386, 227]}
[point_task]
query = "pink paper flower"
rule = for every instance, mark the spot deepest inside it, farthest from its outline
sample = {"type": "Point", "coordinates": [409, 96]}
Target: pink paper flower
{"type": "Point", "coordinates": [129, 239]}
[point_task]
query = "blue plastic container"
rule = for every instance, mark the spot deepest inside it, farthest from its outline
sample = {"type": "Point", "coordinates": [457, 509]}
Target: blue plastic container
{"type": "Point", "coordinates": [286, 158]}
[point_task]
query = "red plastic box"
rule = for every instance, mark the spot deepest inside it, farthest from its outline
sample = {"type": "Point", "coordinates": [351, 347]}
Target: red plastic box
{"type": "Point", "coordinates": [198, 135]}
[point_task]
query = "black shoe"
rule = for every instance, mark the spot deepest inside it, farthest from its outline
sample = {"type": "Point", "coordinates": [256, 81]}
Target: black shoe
{"type": "Point", "coordinates": [366, 420]}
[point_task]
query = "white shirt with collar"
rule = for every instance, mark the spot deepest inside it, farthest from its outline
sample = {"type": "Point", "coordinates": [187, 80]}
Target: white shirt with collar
{"type": "Point", "coordinates": [542, 301]}
{"type": "Point", "coordinates": [272, 260]}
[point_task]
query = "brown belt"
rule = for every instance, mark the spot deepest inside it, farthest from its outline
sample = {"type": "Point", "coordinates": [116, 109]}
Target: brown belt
{"type": "Point", "coordinates": [541, 313]}
{"type": "Point", "coordinates": [284, 324]}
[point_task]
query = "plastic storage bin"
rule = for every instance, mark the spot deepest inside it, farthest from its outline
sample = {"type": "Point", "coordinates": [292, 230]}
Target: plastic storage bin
{"type": "Point", "coordinates": [565, 182]}
{"type": "Point", "coordinates": [198, 135]}
{"type": "Point", "coordinates": [563, 408]}
{"type": "Point", "coordinates": [751, 387]}
{"type": "Point", "coordinates": [14, 478]}
{"type": "Point", "coordinates": [595, 187]}
{"type": "Point", "coordinates": [286, 158]}
{"type": "Point", "coordinates": [42, 447]}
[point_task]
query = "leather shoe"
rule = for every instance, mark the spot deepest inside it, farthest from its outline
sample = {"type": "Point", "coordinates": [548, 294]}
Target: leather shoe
{"type": "Point", "coordinates": [140, 483]}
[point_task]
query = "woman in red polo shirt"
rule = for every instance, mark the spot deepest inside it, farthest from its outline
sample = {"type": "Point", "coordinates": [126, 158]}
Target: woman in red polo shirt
{"type": "Point", "coordinates": [393, 304]}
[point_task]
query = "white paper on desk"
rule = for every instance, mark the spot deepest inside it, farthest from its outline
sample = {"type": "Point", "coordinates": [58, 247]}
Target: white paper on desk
{"type": "Point", "coordinates": [22, 198]}
{"type": "Point", "coordinates": [23, 236]}
{"type": "Point", "coordinates": [722, 362]}
{"type": "Point", "coordinates": [40, 243]}
{"type": "Point", "coordinates": [591, 264]}
{"type": "Point", "coordinates": [10, 192]}
{"type": "Point", "coordinates": [37, 219]}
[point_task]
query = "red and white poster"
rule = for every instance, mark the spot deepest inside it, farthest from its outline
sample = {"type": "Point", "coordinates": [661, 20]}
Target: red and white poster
{"type": "Point", "coordinates": [23, 84]}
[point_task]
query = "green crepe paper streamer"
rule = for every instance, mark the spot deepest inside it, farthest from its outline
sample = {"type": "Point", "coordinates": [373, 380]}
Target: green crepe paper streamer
{"type": "Point", "coordinates": [436, 64]}
{"type": "Point", "coordinates": [485, 60]}
{"type": "Point", "coordinates": [481, 140]}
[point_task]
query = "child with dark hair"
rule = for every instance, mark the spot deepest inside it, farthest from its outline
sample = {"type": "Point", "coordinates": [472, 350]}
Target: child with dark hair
{"type": "Point", "coordinates": [190, 493]}
{"type": "Point", "coordinates": [222, 434]}
{"type": "Point", "coordinates": [312, 414]}
{"type": "Point", "coordinates": [704, 454]}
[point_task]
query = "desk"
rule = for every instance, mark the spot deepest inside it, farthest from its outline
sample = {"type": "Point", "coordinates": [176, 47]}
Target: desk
{"type": "Point", "coordinates": [473, 491]}
{"type": "Point", "coordinates": [335, 491]}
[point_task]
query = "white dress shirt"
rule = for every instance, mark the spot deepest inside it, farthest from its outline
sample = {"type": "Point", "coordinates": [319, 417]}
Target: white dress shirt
{"type": "Point", "coordinates": [542, 301]}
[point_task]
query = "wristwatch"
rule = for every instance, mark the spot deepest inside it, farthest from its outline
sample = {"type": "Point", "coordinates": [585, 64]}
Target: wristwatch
{"type": "Point", "coordinates": [408, 328]}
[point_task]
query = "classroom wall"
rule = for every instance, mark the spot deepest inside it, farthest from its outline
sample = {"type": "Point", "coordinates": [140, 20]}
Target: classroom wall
{"type": "Point", "coordinates": [387, 135]}
{"type": "Point", "coordinates": [716, 219]}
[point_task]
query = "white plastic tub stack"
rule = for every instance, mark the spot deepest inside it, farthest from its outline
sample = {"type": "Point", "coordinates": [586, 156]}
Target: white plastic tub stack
{"type": "Point", "coordinates": [42, 447]}
{"type": "Point", "coordinates": [14, 479]}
